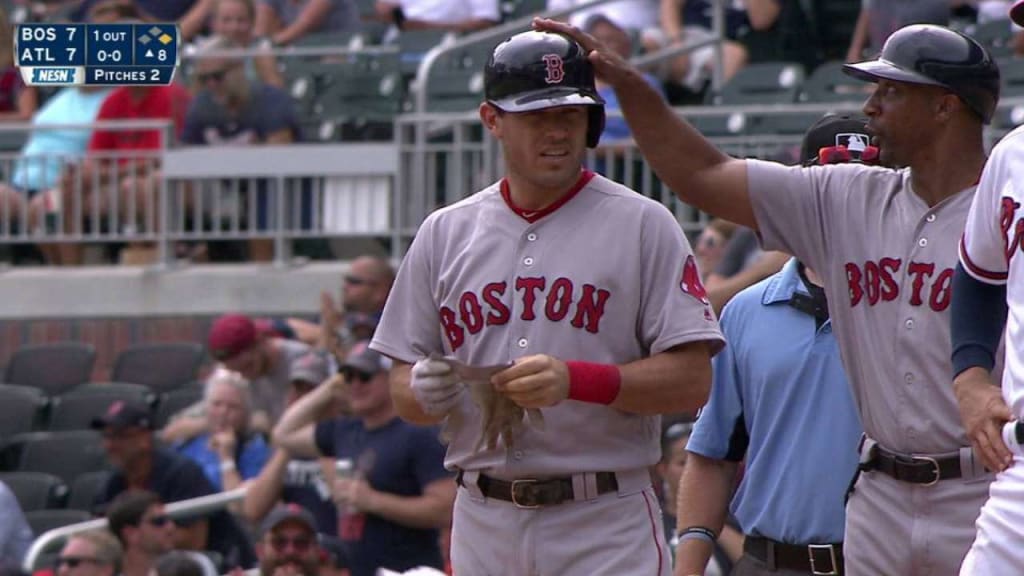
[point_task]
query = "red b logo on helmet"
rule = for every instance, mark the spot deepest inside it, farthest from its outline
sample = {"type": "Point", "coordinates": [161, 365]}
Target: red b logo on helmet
{"type": "Point", "coordinates": [555, 71]}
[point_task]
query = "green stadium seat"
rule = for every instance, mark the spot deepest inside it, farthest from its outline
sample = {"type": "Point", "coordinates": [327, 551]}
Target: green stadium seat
{"type": "Point", "coordinates": [84, 489]}
{"type": "Point", "coordinates": [413, 46]}
{"type": "Point", "coordinates": [996, 35]}
{"type": "Point", "coordinates": [828, 83]}
{"type": "Point", "coordinates": [787, 124]}
{"type": "Point", "coordinates": [21, 409]}
{"type": "Point", "coordinates": [763, 83]}
{"type": "Point", "coordinates": [36, 490]}
{"type": "Point", "coordinates": [161, 366]}
{"type": "Point", "coordinates": [368, 87]}
{"type": "Point", "coordinates": [42, 521]}
{"type": "Point", "coordinates": [63, 454]}
{"type": "Point", "coordinates": [53, 368]}
{"type": "Point", "coordinates": [719, 125]}
{"type": "Point", "coordinates": [456, 82]}
{"type": "Point", "coordinates": [1011, 74]}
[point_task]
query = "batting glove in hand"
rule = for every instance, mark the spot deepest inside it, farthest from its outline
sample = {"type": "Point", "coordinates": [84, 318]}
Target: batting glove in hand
{"type": "Point", "coordinates": [435, 386]}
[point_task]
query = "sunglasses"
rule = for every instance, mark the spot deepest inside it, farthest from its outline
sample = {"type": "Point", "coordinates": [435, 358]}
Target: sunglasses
{"type": "Point", "coordinates": [158, 521]}
{"type": "Point", "coordinates": [75, 561]}
{"type": "Point", "coordinates": [357, 376]}
{"type": "Point", "coordinates": [842, 154]}
{"type": "Point", "coordinates": [217, 76]}
{"type": "Point", "coordinates": [300, 544]}
{"type": "Point", "coordinates": [356, 280]}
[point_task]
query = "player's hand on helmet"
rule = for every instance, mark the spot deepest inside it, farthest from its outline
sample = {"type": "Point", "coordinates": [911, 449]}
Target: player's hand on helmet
{"type": "Point", "coordinates": [435, 386]}
{"type": "Point", "coordinates": [534, 381]}
{"type": "Point", "coordinates": [983, 413]}
{"type": "Point", "coordinates": [608, 64]}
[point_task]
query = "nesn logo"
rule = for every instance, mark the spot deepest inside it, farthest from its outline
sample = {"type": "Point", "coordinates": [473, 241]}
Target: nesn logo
{"type": "Point", "coordinates": [53, 76]}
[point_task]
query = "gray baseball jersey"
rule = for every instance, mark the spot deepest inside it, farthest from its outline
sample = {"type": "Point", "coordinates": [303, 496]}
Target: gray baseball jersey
{"type": "Point", "coordinates": [888, 260]}
{"type": "Point", "coordinates": [604, 275]}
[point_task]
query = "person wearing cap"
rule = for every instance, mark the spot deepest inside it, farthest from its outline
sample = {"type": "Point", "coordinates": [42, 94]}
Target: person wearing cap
{"type": "Point", "coordinates": [301, 481]}
{"type": "Point", "coordinates": [885, 244]}
{"type": "Point", "coordinates": [398, 494]}
{"type": "Point", "coordinates": [139, 464]}
{"type": "Point", "coordinates": [288, 543]}
{"type": "Point", "coordinates": [781, 370]}
{"type": "Point", "coordinates": [229, 452]}
{"type": "Point", "coordinates": [242, 345]}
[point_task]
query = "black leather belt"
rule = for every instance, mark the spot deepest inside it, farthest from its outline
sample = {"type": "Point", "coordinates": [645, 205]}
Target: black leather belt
{"type": "Point", "coordinates": [914, 469]}
{"type": "Point", "coordinates": [817, 559]}
{"type": "Point", "coordinates": [534, 493]}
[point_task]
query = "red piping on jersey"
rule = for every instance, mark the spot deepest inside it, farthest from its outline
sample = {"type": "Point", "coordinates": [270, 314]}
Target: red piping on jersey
{"type": "Point", "coordinates": [532, 216]}
{"type": "Point", "coordinates": [978, 270]}
{"type": "Point", "coordinates": [655, 526]}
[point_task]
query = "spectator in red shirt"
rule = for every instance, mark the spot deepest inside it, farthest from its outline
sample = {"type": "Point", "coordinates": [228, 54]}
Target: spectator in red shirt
{"type": "Point", "coordinates": [114, 169]}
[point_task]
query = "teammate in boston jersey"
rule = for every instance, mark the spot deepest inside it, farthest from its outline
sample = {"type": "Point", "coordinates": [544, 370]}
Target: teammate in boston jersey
{"type": "Point", "coordinates": [588, 294]}
{"type": "Point", "coordinates": [987, 298]}
{"type": "Point", "coordinates": [884, 241]}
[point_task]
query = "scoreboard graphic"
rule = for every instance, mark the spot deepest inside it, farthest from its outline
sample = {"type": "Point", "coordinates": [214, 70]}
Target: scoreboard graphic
{"type": "Point", "coordinates": [96, 54]}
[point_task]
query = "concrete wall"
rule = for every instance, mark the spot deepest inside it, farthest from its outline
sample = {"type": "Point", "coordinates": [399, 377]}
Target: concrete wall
{"type": "Point", "coordinates": [113, 307]}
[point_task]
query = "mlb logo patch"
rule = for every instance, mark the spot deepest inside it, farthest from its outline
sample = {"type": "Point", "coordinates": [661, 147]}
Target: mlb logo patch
{"type": "Point", "coordinates": [853, 141]}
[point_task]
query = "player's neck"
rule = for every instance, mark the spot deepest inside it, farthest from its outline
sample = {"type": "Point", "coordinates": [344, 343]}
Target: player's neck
{"type": "Point", "coordinates": [526, 196]}
{"type": "Point", "coordinates": [944, 174]}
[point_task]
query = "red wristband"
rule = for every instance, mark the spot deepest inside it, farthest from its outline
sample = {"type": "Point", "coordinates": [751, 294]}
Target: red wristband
{"type": "Point", "coordinates": [593, 382]}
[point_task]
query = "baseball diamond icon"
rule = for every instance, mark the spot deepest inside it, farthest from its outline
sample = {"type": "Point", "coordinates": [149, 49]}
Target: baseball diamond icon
{"type": "Point", "coordinates": [157, 34]}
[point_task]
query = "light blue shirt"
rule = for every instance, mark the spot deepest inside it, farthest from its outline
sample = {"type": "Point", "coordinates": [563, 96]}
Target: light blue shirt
{"type": "Point", "coordinates": [780, 395]}
{"type": "Point", "coordinates": [69, 106]}
{"type": "Point", "coordinates": [15, 534]}
{"type": "Point", "coordinates": [251, 459]}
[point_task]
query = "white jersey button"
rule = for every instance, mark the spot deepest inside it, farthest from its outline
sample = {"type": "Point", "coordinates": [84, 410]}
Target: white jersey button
{"type": "Point", "coordinates": [930, 218]}
{"type": "Point", "coordinates": [531, 236]}
{"type": "Point", "coordinates": [522, 342]}
{"type": "Point", "coordinates": [922, 242]}
{"type": "Point", "coordinates": [518, 454]}
{"type": "Point", "coordinates": [528, 261]}
{"type": "Point", "coordinates": [909, 323]}
{"type": "Point", "coordinates": [908, 377]}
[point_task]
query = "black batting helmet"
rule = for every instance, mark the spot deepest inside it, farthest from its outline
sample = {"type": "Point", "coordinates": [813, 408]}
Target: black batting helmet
{"type": "Point", "coordinates": [536, 70]}
{"type": "Point", "coordinates": [938, 56]}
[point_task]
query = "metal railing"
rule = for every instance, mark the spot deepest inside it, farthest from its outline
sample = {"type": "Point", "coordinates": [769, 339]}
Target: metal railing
{"type": "Point", "coordinates": [182, 509]}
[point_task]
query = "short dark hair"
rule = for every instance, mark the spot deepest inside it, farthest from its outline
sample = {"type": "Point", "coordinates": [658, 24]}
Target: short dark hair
{"type": "Point", "coordinates": [177, 563]}
{"type": "Point", "coordinates": [128, 509]}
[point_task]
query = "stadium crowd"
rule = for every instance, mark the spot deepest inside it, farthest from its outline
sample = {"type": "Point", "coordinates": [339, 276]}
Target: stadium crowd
{"type": "Point", "coordinates": [75, 181]}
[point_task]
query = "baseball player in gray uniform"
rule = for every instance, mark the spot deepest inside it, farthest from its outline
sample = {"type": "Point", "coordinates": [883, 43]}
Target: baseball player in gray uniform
{"type": "Point", "coordinates": [885, 242]}
{"type": "Point", "coordinates": [590, 294]}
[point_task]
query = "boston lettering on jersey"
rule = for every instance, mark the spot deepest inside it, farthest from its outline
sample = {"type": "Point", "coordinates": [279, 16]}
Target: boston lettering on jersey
{"type": "Point", "coordinates": [874, 282]}
{"type": "Point", "coordinates": [554, 301]}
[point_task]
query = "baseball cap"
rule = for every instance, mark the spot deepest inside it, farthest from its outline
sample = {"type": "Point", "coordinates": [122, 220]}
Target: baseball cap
{"type": "Point", "coordinates": [231, 334]}
{"type": "Point", "coordinates": [837, 130]}
{"type": "Point", "coordinates": [1017, 13]}
{"type": "Point", "coordinates": [124, 414]}
{"type": "Point", "coordinates": [310, 367]}
{"type": "Point", "coordinates": [362, 359]}
{"type": "Point", "coordinates": [290, 512]}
